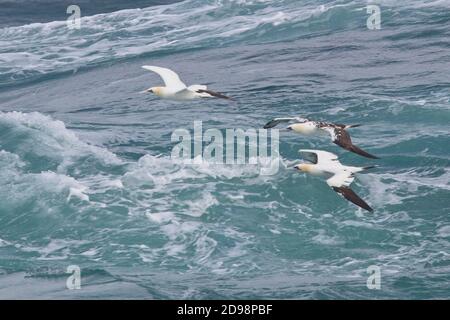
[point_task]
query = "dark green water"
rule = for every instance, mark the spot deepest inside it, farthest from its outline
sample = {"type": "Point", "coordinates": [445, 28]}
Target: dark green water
{"type": "Point", "coordinates": [86, 177]}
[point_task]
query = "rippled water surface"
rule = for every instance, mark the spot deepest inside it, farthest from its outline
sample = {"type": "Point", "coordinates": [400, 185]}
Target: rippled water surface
{"type": "Point", "coordinates": [86, 177]}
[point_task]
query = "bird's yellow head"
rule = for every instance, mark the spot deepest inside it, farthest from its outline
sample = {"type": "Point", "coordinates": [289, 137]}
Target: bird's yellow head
{"type": "Point", "coordinates": [155, 90]}
{"type": "Point", "coordinates": [297, 127]}
{"type": "Point", "coordinates": [304, 167]}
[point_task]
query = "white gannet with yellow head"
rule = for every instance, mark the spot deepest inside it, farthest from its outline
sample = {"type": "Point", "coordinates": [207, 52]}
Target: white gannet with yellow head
{"type": "Point", "coordinates": [339, 177]}
{"type": "Point", "coordinates": [175, 89]}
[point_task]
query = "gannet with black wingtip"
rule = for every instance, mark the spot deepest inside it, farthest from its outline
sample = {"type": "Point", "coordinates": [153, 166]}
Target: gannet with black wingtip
{"type": "Point", "coordinates": [338, 132]}
{"type": "Point", "coordinates": [175, 89]}
{"type": "Point", "coordinates": [339, 177]}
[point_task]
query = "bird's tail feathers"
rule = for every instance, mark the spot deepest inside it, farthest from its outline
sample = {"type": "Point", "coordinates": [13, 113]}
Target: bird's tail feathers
{"type": "Point", "coordinates": [354, 170]}
{"type": "Point", "coordinates": [348, 126]}
{"type": "Point", "coordinates": [213, 94]}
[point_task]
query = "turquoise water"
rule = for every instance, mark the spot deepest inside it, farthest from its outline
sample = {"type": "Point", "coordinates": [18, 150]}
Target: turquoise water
{"type": "Point", "coordinates": [87, 179]}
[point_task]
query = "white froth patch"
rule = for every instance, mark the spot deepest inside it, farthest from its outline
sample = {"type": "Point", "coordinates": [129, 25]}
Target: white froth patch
{"type": "Point", "coordinates": [55, 182]}
{"type": "Point", "coordinates": [52, 138]}
{"type": "Point", "coordinates": [4, 243]}
{"type": "Point", "coordinates": [360, 224]}
{"type": "Point", "coordinates": [90, 253]}
{"type": "Point", "coordinates": [323, 238]}
{"type": "Point", "coordinates": [160, 217]}
{"type": "Point", "coordinates": [42, 48]}
{"type": "Point", "coordinates": [156, 171]}
{"type": "Point", "coordinates": [199, 206]}
{"type": "Point", "coordinates": [22, 186]}
{"type": "Point", "coordinates": [179, 229]}
{"type": "Point", "coordinates": [394, 188]}
{"type": "Point", "coordinates": [444, 232]}
{"type": "Point", "coordinates": [10, 161]}
{"type": "Point", "coordinates": [77, 192]}
{"type": "Point", "coordinates": [204, 247]}
{"type": "Point", "coordinates": [175, 249]}
{"type": "Point", "coordinates": [55, 249]}
{"type": "Point", "coordinates": [275, 231]}
{"type": "Point", "coordinates": [160, 170]}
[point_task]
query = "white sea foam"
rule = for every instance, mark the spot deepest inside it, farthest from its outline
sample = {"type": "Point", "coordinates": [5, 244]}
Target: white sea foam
{"type": "Point", "coordinates": [34, 136]}
{"type": "Point", "coordinates": [160, 217]}
{"type": "Point", "coordinates": [325, 239]}
{"type": "Point", "coordinates": [41, 48]}
{"type": "Point", "coordinates": [394, 188]}
{"type": "Point", "coordinates": [47, 137]}
{"type": "Point", "coordinates": [4, 243]}
{"type": "Point", "coordinates": [54, 249]}
{"type": "Point", "coordinates": [444, 232]}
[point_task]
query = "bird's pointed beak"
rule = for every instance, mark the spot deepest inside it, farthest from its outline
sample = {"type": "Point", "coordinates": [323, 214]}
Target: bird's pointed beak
{"type": "Point", "coordinates": [147, 91]}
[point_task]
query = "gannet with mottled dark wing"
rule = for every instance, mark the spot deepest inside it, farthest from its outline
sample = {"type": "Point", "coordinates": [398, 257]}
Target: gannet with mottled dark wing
{"type": "Point", "coordinates": [276, 121]}
{"type": "Point", "coordinates": [338, 132]}
{"type": "Point", "coordinates": [175, 89]}
{"type": "Point", "coordinates": [339, 177]}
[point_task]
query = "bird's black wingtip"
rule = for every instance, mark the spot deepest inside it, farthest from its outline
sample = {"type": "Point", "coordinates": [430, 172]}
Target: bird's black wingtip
{"type": "Point", "coordinates": [351, 196]}
{"type": "Point", "coordinates": [366, 207]}
{"type": "Point", "coordinates": [270, 124]}
{"type": "Point", "coordinates": [370, 167]}
{"type": "Point", "coordinates": [361, 152]}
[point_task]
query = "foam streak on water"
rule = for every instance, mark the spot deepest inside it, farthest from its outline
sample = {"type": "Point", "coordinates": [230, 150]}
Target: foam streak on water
{"type": "Point", "coordinates": [86, 176]}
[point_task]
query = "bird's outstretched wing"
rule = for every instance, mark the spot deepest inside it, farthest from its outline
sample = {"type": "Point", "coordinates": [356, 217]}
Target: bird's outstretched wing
{"type": "Point", "coordinates": [274, 122]}
{"type": "Point", "coordinates": [341, 137]}
{"type": "Point", "coordinates": [340, 183]}
{"type": "Point", "coordinates": [351, 196]}
{"type": "Point", "coordinates": [319, 156]}
{"type": "Point", "coordinates": [170, 78]}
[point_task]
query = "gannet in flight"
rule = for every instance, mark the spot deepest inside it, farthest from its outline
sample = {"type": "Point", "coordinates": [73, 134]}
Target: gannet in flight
{"type": "Point", "coordinates": [175, 89]}
{"type": "Point", "coordinates": [338, 132]}
{"type": "Point", "coordinates": [339, 177]}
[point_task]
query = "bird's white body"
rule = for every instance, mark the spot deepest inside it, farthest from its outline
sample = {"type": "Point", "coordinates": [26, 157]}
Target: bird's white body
{"type": "Point", "coordinates": [327, 165]}
{"type": "Point", "coordinates": [308, 128]}
{"type": "Point", "coordinates": [175, 89]}
{"type": "Point", "coordinates": [177, 95]}
{"type": "Point", "coordinates": [337, 132]}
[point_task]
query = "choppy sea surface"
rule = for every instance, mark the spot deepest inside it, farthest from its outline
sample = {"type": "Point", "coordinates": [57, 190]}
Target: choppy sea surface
{"type": "Point", "coordinates": [86, 176]}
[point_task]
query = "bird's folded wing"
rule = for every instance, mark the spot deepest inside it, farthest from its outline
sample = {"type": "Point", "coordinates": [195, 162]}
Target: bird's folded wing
{"type": "Point", "coordinates": [170, 78]}
{"type": "Point", "coordinates": [274, 122]}
{"type": "Point", "coordinates": [318, 156]}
